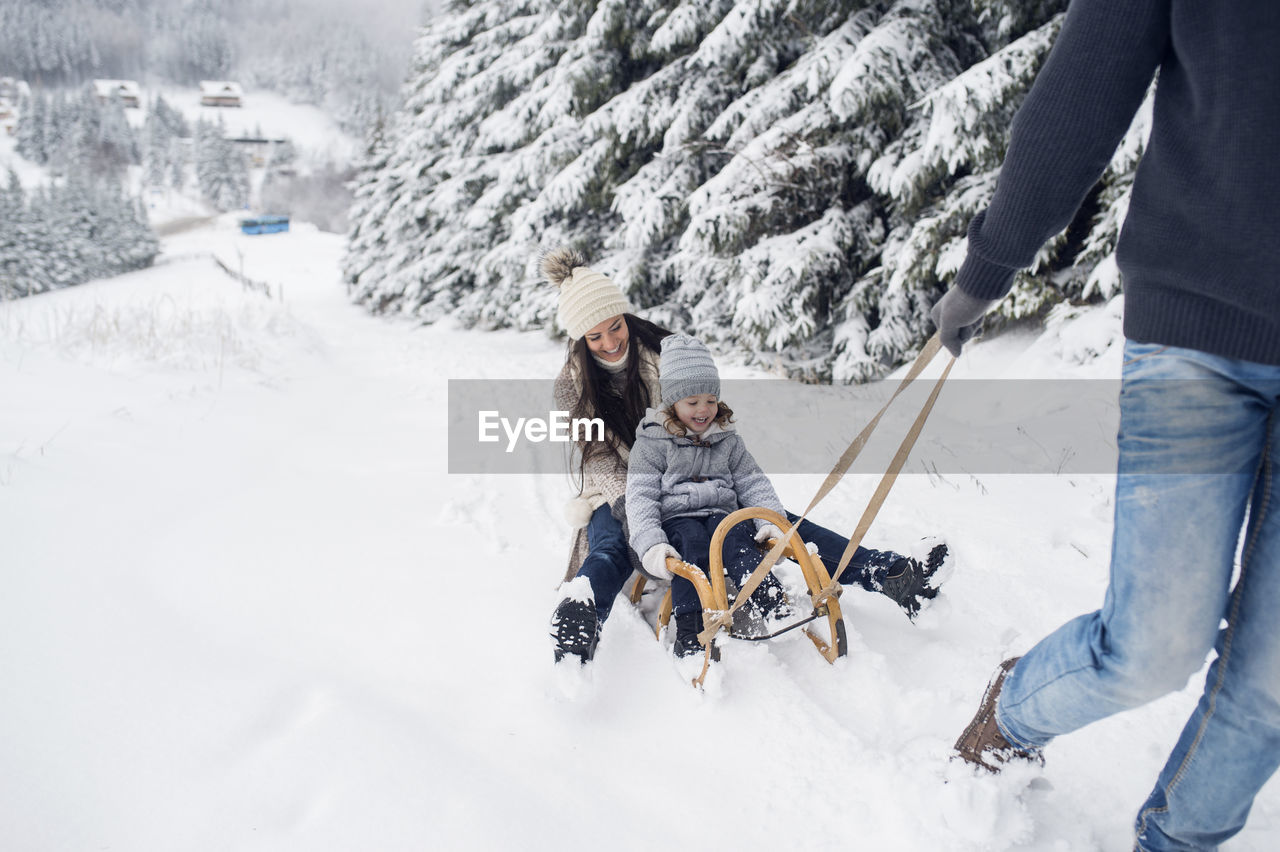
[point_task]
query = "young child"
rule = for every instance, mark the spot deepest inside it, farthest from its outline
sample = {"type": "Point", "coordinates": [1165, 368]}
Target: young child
{"type": "Point", "coordinates": [688, 469]}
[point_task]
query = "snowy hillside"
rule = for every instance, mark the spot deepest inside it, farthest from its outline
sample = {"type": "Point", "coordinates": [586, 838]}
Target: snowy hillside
{"type": "Point", "coordinates": [314, 133]}
{"type": "Point", "coordinates": [247, 607]}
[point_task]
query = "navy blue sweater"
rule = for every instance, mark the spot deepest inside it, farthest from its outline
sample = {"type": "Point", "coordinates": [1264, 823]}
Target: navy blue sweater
{"type": "Point", "coordinates": [1200, 248]}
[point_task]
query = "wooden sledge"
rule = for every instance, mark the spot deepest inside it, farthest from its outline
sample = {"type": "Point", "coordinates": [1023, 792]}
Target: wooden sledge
{"type": "Point", "coordinates": [714, 596]}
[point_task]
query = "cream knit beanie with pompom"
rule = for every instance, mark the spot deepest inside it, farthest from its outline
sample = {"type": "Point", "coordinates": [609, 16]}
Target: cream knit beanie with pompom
{"type": "Point", "coordinates": [587, 298]}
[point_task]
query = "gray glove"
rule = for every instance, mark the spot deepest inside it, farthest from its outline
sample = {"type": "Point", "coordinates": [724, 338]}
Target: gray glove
{"type": "Point", "coordinates": [958, 317]}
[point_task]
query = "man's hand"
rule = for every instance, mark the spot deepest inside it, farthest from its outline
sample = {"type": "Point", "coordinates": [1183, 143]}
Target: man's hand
{"type": "Point", "coordinates": [958, 317]}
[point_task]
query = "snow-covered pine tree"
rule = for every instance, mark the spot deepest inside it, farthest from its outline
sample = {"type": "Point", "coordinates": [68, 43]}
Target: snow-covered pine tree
{"type": "Point", "coordinates": [162, 132]}
{"type": "Point", "coordinates": [69, 232]}
{"type": "Point", "coordinates": [790, 178]}
{"type": "Point", "coordinates": [122, 239]}
{"type": "Point", "coordinates": [70, 222]}
{"type": "Point", "coordinates": [13, 214]}
{"type": "Point", "coordinates": [58, 119]}
{"type": "Point", "coordinates": [178, 162]}
{"type": "Point", "coordinates": [222, 171]}
{"type": "Point", "coordinates": [116, 146]}
{"type": "Point", "coordinates": [41, 255]}
{"type": "Point", "coordinates": [170, 117]}
{"type": "Point", "coordinates": [76, 132]}
{"type": "Point", "coordinates": [74, 123]}
{"type": "Point", "coordinates": [30, 132]}
{"type": "Point", "coordinates": [155, 150]}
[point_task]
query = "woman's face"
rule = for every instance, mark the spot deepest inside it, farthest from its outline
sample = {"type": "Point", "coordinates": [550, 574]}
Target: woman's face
{"type": "Point", "coordinates": [697, 412]}
{"type": "Point", "coordinates": [608, 340]}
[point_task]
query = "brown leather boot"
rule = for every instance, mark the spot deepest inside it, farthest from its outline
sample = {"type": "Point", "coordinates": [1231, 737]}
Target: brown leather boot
{"type": "Point", "coordinates": [982, 744]}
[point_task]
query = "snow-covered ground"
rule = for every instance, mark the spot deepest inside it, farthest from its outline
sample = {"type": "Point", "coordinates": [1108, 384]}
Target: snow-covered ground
{"type": "Point", "coordinates": [247, 607]}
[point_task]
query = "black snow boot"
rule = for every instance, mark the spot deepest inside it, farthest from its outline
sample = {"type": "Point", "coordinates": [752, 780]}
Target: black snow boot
{"type": "Point", "coordinates": [574, 629]}
{"type": "Point", "coordinates": [937, 556]}
{"type": "Point", "coordinates": [767, 603]}
{"type": "Point", "coordinates": [688, 626]}
{"type": "Point", "coordinates": [905, 584]}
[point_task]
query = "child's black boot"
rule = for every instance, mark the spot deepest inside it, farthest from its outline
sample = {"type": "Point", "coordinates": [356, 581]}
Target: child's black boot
{"type": "Point", "coordinates": [768, 603]}
{"type": "Point", "coordinates": [904, 584]}
{"type": "Point", "coordinates": [935, 565]}
{"type": "Point", "coordinates": [688, 626]}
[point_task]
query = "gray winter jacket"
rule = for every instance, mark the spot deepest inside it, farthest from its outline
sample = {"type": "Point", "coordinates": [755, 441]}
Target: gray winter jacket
{"type": "Point", "coordinates": [670, 477]}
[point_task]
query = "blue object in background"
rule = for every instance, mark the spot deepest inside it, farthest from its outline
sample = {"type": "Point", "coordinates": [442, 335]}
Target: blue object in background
{"type": "Point", "coordinates": [264, 224]}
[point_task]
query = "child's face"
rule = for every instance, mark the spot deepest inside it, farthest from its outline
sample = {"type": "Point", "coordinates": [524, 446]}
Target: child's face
{"type": "Point", "coordinates": [697, 412]}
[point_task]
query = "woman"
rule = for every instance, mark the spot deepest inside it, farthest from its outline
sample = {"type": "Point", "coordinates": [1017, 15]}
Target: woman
{"type": "Point", "coordinates": [611, 372]}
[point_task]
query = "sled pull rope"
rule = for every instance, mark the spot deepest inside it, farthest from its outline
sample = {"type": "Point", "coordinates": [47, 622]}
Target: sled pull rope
{"type": "Point", "coordinates": [895, 467]}
{"type": "Point", "coordinates": [829, 591]}
{"type": "Point", "coordinates": [842, 466]}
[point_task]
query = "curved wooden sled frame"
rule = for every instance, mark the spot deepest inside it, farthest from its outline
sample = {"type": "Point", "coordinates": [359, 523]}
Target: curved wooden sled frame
{"type": "Point", "coordinates": [715, 597]}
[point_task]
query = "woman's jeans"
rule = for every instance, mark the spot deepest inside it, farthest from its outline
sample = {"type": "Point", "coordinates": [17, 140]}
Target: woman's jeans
{"type": "Point", "coordinates": [608, 562]}
{"type": "Point", "coordinates": [1198, 444]}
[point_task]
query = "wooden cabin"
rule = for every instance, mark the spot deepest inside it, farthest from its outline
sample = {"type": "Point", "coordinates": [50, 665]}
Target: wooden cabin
{"type": "Point", "coordinates": [13, 90]}
{"type": "Point", "coordinates": [256, 148]}
{"type": "Point", "coordinates": [220, 93]}
{"type": "Point", "coordinates": [130, 94]}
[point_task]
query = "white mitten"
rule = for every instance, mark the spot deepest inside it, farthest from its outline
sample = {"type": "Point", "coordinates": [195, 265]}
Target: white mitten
{"type": "Point", "coordinates": [655, 561]}
{"type": "Point", "coordinates": [578, 512]}
{"type": "Point", "coordinates": [767, 532]}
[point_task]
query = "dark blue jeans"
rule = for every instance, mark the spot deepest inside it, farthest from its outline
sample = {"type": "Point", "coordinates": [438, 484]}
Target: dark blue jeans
{"type": "Point", "coordinates": [608, 562]}
{"type": "Point", "coordinates": [691, 537]}
{"type": "Point", "coordinates": [867, 568]}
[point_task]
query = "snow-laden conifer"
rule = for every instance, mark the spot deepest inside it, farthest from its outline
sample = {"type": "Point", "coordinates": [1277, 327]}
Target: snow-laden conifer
{"type": "Point", "coordinates": [791, 179]}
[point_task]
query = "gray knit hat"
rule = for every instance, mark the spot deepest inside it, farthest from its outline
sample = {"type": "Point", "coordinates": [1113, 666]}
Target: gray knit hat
{"type": "Point", "coordinates": [587, 298]}
{"type": "Point", "coordinates": [686, 369]}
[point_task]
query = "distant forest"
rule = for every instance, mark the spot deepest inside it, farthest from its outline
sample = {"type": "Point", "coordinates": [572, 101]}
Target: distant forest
{"type": "Point", "coordinates": [338, 55]}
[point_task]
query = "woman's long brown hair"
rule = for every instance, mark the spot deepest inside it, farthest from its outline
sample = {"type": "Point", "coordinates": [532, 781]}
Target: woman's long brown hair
{"type": "Point", "coordinates": [621, 413]}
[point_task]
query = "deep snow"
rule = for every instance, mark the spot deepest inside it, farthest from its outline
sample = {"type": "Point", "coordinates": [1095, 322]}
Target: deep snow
{"type": "Point", "coordinates": [246, 607]}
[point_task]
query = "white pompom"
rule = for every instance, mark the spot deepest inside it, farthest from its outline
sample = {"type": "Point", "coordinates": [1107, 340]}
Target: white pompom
{"type": "Point", "coordinates": [578, 512]}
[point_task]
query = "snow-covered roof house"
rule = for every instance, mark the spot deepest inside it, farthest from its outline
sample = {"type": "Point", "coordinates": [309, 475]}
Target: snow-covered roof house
{"type": "Point", "coordinates": [220, 93]}
{"type": "Point", "coordinates": [128, 91]}
{"type": "Point", "coordinates": [13, 90]}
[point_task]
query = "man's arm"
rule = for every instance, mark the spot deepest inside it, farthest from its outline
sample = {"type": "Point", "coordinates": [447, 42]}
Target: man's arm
{"type": "Point", "coordinates": [1064, 134]}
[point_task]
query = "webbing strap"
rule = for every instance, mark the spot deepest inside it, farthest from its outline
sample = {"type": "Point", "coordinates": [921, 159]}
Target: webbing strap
{"type": "Point", "coordinates": [891, 475]}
